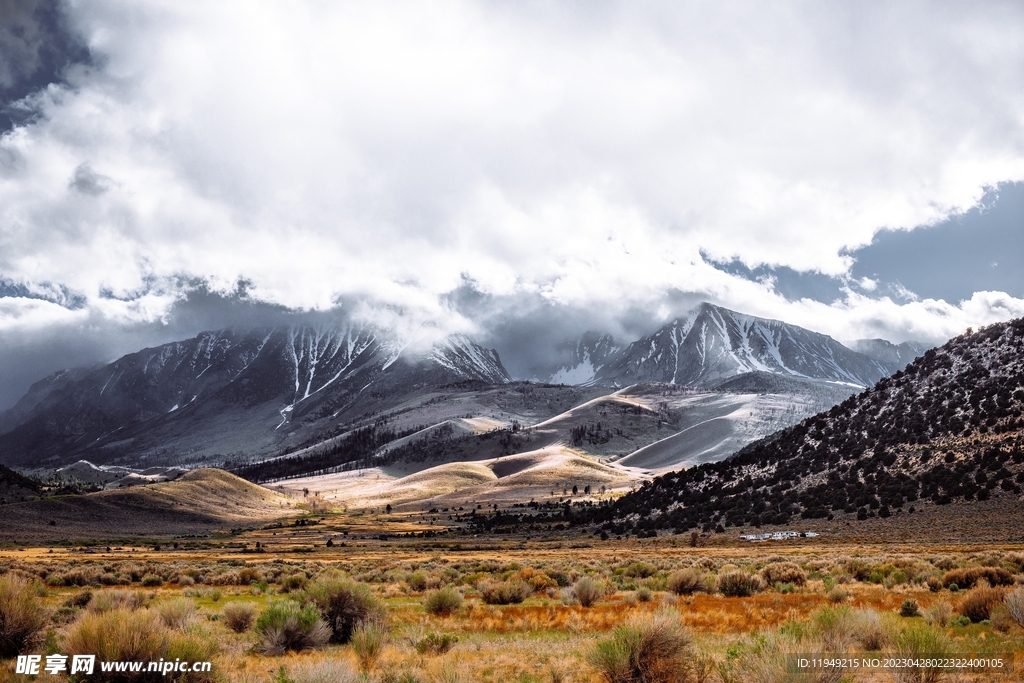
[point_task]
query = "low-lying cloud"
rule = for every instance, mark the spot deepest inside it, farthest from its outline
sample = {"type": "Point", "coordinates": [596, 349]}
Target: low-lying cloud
{"type": "Point", "coordinates": [592, 158]}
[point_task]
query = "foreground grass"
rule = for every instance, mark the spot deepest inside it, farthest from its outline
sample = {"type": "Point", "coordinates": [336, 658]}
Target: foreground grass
{"type": "Point", "coordinates": [427, 616]}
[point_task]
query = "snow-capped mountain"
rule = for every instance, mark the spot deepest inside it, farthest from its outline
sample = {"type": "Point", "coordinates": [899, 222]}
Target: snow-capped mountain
{"type": "Point", "coordinates": [246, 390]}
{"type": "Point", "coordinates": [587, 357]}
{"type": "Point", "coordinates": [711, 343]}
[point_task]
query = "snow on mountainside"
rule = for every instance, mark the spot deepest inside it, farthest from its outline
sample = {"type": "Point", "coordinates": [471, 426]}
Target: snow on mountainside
{"type": "Point", "coordinates": [894, 356]}
{"type": "Point", "coordinates": [711, 343]}
{"type": "Point", "coordinates": [241, 390]}
{"type": "Point", "coordinates": [586, 358]}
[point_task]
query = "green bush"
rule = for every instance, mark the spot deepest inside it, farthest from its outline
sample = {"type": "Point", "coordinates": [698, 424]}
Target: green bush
{"type": "Point", "coordinates": [443, 602]}
{"type": "Point", "coordinates": [288, 626]}
{"type": "Point", "coordinates": [646, 649]}
{"type": "Point", "coordinates": [435, 643]}
{"type": "Point", "coordinates": [344, 605]}
{"type": "Point", "coordinates": [922, 644]}
{"type": "Point", "coordinates": [508, 592]}
{"type": "Point", "coordinates": [21, 616]}
{"type": "Point", "coordinates": [152, 580]}
{"type": "Point", "coordinates": [909, 608]}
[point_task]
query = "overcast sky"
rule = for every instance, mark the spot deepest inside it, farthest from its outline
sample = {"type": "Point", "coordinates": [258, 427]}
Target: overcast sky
{"type": "Point", "coordinates": [519, 172]}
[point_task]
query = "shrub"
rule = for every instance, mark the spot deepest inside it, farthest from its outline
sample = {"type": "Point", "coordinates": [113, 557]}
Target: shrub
{"type": "Point", "coordinates": [644, 594]}
{"type": "Point", "coordinates": [21, 616]}
{"type": "Point", "coordinates": [107, 600]}
{"type": "Point", "coordinates": [784, 572]}
{"type": "Point", "coordinates": [869, 631]}
{"type": "Point", "coordinates": [177, 613]}
{"type": "Point", "coordinates": [435, 643]}
{"type": "Point", "coordinates": [837, 594]}
{"type": "Point", "coordinates": [969, 577]}
{"type": "Point", "coordinates": [640, 570]}
{"type": "Point", "coordinates": [1015, 605]}
{"type": "Point", "coordinates": [443, 602]}
{"type": "Point", "coordinates": [344, 605]}
{"type": "Point", "coordinates": [909, 608]}
{"type": "Point", "coordinates": [135, 635]}
{"type": "Point", "coordinates": [646, 649]}
{"type": "Point", "coordinates": [322, 671]}
{"type": "Point", "coordinates": [587, 591]}
{"type": "Point", "coordinates": [368, 641]}
{"type": "Point", "coordinates": [938, 614]}
{"type": "Point", "coordinates": [417, 581]}
{"type": "Point", "coordinates": [739, 584]}
{"type": "Point", "coordinates": [686, 581]}
{"type": "Point", "coordinates": [238, 616]}
{"type": "Point", "coordinates": [285, 626]}
{"type": "Point", "coordinates": [978, 604]}
{"type": "Point", "coordinates": [924, 645]}
{"type": "Point", "coordinates": [294, 582]}
{"type": "Point", "coordinates": [934, 584]}
{"type": "Point", "coordinates": [79, 599]}
{"type": "Point", "coordinates": [508, 592]}
{"type": "Point", "coordinates": [152, 580]}
{"type": "Point", "coordinates": [1000, 618]}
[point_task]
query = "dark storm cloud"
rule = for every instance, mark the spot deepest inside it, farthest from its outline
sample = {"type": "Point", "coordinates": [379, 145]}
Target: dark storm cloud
{"type": "Point", "coordinates": [36, 45]}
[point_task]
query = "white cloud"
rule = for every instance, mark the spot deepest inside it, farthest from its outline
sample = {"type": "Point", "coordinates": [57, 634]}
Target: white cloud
{"type": "Point", "coordinates": [389, 150]}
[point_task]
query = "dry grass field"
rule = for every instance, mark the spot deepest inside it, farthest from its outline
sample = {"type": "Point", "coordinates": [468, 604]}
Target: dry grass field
{"type": "Point", "coordinates": [461, 608]}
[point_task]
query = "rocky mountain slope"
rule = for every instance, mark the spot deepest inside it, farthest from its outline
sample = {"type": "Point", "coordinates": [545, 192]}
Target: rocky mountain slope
{"type": "Point", "coordinates": [229, 392]}
{"type": "Point", "coordinates": [948, 428]}
{"type": "Point", "coordinates": [712, 343]}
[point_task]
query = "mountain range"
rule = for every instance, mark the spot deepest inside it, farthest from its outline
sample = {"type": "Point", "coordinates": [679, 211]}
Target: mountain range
{"type": "Point", "coordinates": [247, 395]}
{"type": "Point", "coordinates": [711, 343]}
{"type": "Point", "coordinates": [946, 429]}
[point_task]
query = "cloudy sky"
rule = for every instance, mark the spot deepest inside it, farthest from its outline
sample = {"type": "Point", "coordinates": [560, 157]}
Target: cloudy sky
{"type": "Point", "coordinates": [519, 172]}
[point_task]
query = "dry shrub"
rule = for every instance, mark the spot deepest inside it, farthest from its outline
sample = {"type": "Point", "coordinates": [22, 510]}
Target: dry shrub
{"type": "Point", "coordinates": [588, 591]}
{"type": "Point", "coordinates": [978, 604]}
{"type": "Point", "coordinates": [1000, 618]}
{"type": "Point", "coordinates": [238, 616]}
{"type": "Point", "coordinates": [938, 614]}
{"type": "Point", "coordinates": [910, 608]}
{"type": "Point", "coordinates": [287, 626]}
{"type": "Point", "coordinates": [508, 592]}
{"type": "Point", "coordinates": [324, 671]}
{"type": "Point", "coordinates": [344, 605]}
{"type": "Point", "coordinates": [108, 600]}
{"type": "Point", "coordinates": [869, 631]}
{"type": "Point", "coordinates": [784, 572]}
{"type": "Point", "coordinates": [1015, 605]}
{"type": "Point", "coordinates": [686, 581]}
{"type": "Point", "coordinates": [646, 649]}
{"type": "Point", "coordinates": [739, 584]}
{"type": "Point", "coordinates": [21, 616]}
{"type": "Point", "coordinates": [177, 613]}
{"type": "Point", "coordinates": [922, 644]}
{"type": "Point", "coordinates": [443, 602]}
{"type": "Point", "coordinates": [135, 635]}
{"type": "Point", "coordinates": [765, 659]}
{"type": "Point", "coordinates": [368, 641]}
{"type": "Point", "coordinates": [969, 577]}
{"type": "Point", "coordinates": [837, 594]}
